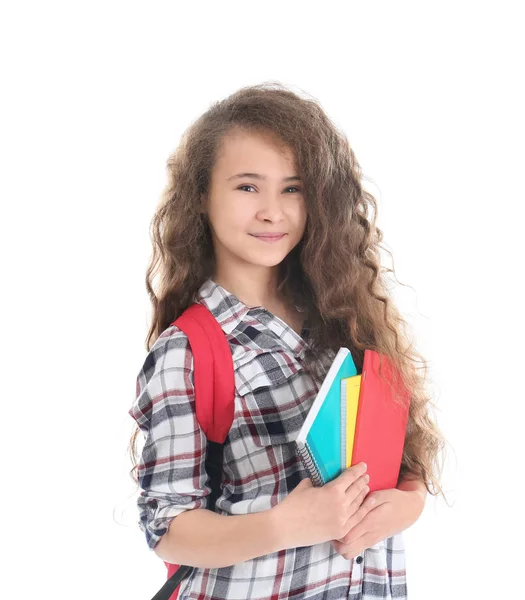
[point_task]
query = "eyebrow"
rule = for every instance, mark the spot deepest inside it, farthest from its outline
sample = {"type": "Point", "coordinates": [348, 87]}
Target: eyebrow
{"type": "Point", "coordinates": [259, 176]}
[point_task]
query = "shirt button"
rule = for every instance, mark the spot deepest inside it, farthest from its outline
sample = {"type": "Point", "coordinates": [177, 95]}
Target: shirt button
{"type": "Point", "coordinates": [359, 560]}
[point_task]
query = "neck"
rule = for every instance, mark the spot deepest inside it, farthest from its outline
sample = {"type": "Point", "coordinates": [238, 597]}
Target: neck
{"type": "Point", "coordinates": [253, 286]}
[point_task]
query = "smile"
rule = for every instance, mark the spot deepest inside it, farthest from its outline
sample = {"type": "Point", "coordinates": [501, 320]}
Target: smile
{"type": "Point", "coordinates": [268, 237]}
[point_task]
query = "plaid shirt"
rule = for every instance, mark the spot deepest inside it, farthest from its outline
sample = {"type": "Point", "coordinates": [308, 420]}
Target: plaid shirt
{"type": "Point", "coordinates": [272, 397]}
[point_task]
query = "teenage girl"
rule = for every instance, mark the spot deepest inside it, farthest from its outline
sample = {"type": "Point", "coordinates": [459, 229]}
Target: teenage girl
{"type": "Point", "coordinates": [266, 223]}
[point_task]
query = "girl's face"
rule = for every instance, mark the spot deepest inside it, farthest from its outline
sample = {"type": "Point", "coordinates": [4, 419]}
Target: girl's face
{"type": "Point", "coordinates": [254, 192]}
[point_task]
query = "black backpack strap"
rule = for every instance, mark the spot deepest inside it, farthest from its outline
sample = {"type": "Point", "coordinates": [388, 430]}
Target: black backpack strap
{"type": "Point", "coordinates": [173, 582]}
{"type": "Point", "coordinates": [213, 463]}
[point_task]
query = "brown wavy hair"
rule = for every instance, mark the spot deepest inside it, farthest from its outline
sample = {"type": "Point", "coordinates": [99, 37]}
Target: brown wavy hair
{"type": "Point", "coordinates": [334, 274]}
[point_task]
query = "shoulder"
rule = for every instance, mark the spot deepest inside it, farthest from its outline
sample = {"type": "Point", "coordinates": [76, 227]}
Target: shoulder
{"type": "Point", "coordinates": [170, 350]}
{"type": "Point", "coordinates": [166, 376]}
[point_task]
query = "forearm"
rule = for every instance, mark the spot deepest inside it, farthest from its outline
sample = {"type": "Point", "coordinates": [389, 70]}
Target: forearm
{"type": "Point", "coordinates": [202, 538]}
{"type": "Point", "coordinates": [416, 496]}
{"type": "Point", "coordinates": [412, 483]}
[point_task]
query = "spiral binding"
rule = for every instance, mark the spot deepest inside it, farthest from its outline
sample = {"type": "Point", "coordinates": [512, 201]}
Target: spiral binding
{"type": "Point", "coordinates": [310, 464]}
{"type": "Point", "coordinates": [343, 425]}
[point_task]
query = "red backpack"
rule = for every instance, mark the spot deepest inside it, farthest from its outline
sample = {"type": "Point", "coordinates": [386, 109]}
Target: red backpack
{"type": "Point", "coordinates": [214, 404]}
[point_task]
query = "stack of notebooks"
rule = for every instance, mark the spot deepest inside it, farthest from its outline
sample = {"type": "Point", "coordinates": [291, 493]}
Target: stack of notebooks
{"type": "Point", "coordinates": [355, 418]}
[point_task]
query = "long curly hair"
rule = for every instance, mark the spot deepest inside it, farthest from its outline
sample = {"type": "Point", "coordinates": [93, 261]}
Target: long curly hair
{"type": "Point", "coordinates": [334, 274]}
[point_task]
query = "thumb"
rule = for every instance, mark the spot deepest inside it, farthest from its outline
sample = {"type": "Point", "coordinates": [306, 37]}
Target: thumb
{"type": "Point", "coordinates": [305, 483]}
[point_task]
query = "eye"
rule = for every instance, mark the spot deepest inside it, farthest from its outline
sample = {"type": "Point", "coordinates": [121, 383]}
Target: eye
{"type": "Point", "coordinates": [251, 186]}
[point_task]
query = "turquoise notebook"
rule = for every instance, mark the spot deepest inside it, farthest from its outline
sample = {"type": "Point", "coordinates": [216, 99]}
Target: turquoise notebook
{"type": "Point", "coordinates": [320, 439]}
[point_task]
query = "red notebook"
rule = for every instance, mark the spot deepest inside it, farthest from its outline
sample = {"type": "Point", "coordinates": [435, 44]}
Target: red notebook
{"type": "Point", "coordinates": [381, 423]}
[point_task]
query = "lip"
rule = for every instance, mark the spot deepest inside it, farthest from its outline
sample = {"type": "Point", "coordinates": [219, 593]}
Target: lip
{"type": "Point", "coordinates": [268, 237]}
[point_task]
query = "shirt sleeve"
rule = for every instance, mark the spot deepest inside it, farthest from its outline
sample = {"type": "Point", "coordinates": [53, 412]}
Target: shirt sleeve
{"type": "Point", "coordinates": [171, 467]}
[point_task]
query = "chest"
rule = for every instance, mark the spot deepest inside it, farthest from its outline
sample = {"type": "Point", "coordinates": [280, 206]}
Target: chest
{"type": "Point", "coordinates": [290, 317]}
{"type": "Point", "coordinates": [273, 395]}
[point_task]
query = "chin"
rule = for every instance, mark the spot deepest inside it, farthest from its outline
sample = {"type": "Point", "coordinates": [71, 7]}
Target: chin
{"type": "Point", "coordinates": [266, 261]}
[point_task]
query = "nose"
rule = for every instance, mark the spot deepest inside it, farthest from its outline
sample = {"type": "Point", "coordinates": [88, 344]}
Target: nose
{"type": "Point", "coordinates": [271, 207]}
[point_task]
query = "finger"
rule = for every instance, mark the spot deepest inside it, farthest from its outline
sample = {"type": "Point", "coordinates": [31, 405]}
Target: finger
{"type": "Point", "coordinates": [358, 485]}
{"type": "Point", "coordinates": [365, 541]}
{"type": "Point", "coordinates": [356, 548]}
{"type": "Point", "coordinates": [351, 549]}
{"type": "Point", "coordinates": [306, 482]}
{"type": "Point", "coordinates": [359, 530]}
{"type": "Point", "coordinates": [356, 504]}
{"type": "Point", "coordinates": [343, 548]}
{"type": "Point", "coordinates": [350, 525]}
{"type": "Point", "coordinates": [349, 476]}
{"type": "Point", "coordinates": [376, 498]}
{"type": "Point", "coordinates": [358, 491]}
{"type": "Point", "coordinates": [358, 524]}
{"type": "Point", "coordinates": [358, 515]}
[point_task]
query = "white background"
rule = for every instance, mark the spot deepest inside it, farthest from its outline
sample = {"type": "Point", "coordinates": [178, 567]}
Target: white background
{"type": "Point", "coordinates": [95, 96]}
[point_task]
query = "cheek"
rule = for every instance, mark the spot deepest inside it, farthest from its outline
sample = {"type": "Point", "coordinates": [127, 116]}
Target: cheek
{"type": "Point", "coordinates": [229, 217]}
{"type": "Point", "coordinates": [300, 216]}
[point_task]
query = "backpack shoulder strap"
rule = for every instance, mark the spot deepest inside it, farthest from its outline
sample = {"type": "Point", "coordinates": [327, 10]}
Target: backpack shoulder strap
{"type": "Point", "coordinates": [213, 371]}
{"type": "Point", "coordinates": [214, 404]}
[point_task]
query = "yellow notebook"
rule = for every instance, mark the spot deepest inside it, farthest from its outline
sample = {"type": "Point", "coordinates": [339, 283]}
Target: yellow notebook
{"type": "Point", "coordinates": [350, 387]}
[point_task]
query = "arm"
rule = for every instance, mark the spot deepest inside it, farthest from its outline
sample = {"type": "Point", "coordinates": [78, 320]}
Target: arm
{"type": "Point", "coordinates": [417, 492]}
{"type": "Point", "coordinates": [202, 538]}
{"type": "Point", "coordinates": [171, 472]}
{"type": "Point", "coordinates": [395, 510]}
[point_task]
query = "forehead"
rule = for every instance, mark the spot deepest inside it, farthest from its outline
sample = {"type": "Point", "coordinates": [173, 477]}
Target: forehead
{"type": "Point", "coordinates": [253, 150]}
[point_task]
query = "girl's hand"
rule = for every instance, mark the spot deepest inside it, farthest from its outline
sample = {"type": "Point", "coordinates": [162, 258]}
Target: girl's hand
{"type": "Point", "coordinates": [312, 515]}
{"type": "Point", "coordinates": [394, 511]}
